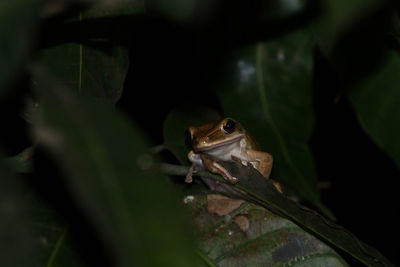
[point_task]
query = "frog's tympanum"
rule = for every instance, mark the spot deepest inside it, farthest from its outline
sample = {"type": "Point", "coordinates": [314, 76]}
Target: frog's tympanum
{"type": "Point", "coordinates": [225, 140]}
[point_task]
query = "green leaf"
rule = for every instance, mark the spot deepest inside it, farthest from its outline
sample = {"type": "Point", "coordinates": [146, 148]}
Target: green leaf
{"type": "Point", "coordinates": [269, 92]}
{"type": "Point", "coordinates": [250, 235]}
{"type": "Point", "coordinates": [88, 71]}
{"type": "Point", "coordinates": [17, 23]}
{"type": "Point", "coordinates": [97, 71]}
{"type": "Point", "coordinates": [176, 123]}
{"type": "Point", "coordinates": [111, 175]}
{"type": "Point", "coordinates": [377, 104]}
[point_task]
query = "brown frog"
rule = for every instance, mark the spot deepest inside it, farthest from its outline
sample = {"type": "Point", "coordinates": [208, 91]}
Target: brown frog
{"type": "Point", "coordinates": [226, 140]}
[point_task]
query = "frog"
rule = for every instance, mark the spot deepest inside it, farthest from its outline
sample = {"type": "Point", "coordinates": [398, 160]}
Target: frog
{"type": "Point", "coordinates": [225, 140]}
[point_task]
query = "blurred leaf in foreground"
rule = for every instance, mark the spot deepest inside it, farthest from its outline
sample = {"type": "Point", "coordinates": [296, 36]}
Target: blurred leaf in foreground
{"type": "Point", "coordinates": [52, 238]}
{"type": "Point", "coordinates": [17, 22]}
{"type": "Point", "coordinates": [111, 175]}
{"type": "Point", "coordinates": [17, 244]}
{"type": "Point", "coordinates": [30, 232]}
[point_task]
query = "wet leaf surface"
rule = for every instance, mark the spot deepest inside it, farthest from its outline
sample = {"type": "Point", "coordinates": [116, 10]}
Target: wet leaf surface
{"type": "Point", "coordinates": [258, 190]}
{"type": "Point", "coordinates": [250, 235]}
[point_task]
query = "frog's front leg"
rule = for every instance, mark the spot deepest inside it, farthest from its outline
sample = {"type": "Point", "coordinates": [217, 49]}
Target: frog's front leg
{"type": "Point", "coordinates": [197, 164]}
{"type": "Point", "coordinates": [262, 161]}
{"type": "Point", "coordinates": [214, 167]}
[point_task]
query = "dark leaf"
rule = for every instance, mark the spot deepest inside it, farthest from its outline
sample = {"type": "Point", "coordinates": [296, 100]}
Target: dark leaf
{"type": "Point", "coordinates": [107, 8]}
{"type": "Point", "coordinates": [255, 188]}
{"type": "Point", "coordinates": [338, 16]}
{"type": "Point", "coordinates": [377, 104]}
{"type": "Point", "coordinates": [241, 18]}
{"type": "Point", "coordinates": [88, 71]}
{"type": "Point", "coordinates": [97, 8]}
{"type": "Point", "coordinates": [269, 92]}
{"type": "Point", "coordinates": [347, 31]}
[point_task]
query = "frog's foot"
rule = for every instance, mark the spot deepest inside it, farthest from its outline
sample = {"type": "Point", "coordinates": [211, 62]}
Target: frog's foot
{"type": "Point", "coordinates": [243, 162]}
{"type": "Point", "coordinates": [190, 173]}
{"type": "Point", "coordinates": [217, 168]}
{"type": "Point", "coordinates": [233, 180]}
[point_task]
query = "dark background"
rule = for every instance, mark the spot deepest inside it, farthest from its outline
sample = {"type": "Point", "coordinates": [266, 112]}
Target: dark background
{"type": "Point", "coordinates": [183, 65]}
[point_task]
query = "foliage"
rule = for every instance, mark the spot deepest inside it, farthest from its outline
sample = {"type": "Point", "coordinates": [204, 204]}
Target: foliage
{"type": "Point", "coordinates": [86, 190]}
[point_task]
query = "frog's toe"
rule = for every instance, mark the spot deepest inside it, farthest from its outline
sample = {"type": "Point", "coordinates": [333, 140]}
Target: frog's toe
{"type": "Point", "coordinates": [234, 180]}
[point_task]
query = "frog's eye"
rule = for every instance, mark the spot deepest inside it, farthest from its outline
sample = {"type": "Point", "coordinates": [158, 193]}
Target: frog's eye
{"type": "Point", "coordinates": [229, 126]}
{"type": "Point", "coordinates": [188, 137]}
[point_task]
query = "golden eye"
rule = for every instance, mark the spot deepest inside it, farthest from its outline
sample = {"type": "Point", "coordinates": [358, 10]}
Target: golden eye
{"type": "Point", "coordinates": [229, 126]}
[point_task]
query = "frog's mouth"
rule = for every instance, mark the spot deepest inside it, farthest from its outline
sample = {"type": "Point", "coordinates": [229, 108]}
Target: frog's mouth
{"type": "Point", "coordinates": [220, 144]}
